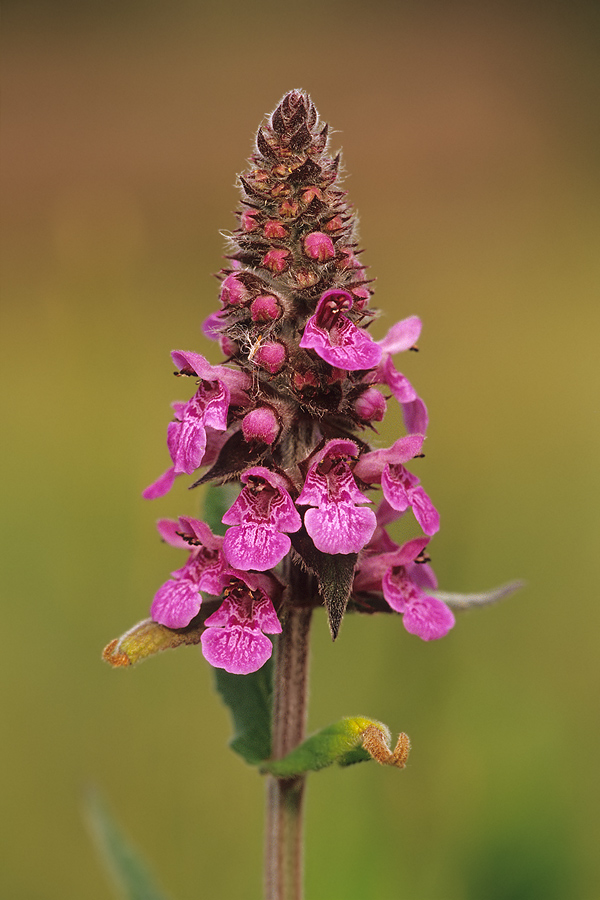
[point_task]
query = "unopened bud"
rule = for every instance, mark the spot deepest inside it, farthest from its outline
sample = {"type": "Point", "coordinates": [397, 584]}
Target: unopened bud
{"type": "Point", "coordinates": [265, 308]}
{"type": "Point", "coordinates": [334, 224]}
{"type": "Point", "coordinates": [274, 229]}
{"type": "Point", "coordinates": [270, 356]}
{"type": "Point", "coordinates": [261, 425]}
{"type": "Point", "coordinates": [289, 208]}
{"type": "Point", "coordinates": [310, 193]}
{"type": "Point", "coordinates": [319, 246]}
{"type": "Point", "coordinates": [228, 347]}
{"type": "Point", "coordinates": [362, 296]}
{"type": "Point", "coordinates": [302, 379]}
{"type": "Point", "coordinates": [233, 292]}
{"type": "Point", "coordinates": [336, 375]}
{"type": "Point", "coordinates": [370, 406]}
{"type": "Point", "coordinates": [305, 278]}
{"type": "Point", "coordinates": [248, 220]}
{"type": "Point", "coordinates": [275, 260]}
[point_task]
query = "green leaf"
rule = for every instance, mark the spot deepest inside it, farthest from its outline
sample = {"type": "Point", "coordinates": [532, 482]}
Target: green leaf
{"type": "Point", "coordinates": [217, 500]}
{"type": "Point", "coordinates": [340, 743]}
{"type": "Point", "coordinates": [236, 455]}
{"type": "Point", "coordinates": [250, 701]}
{"type": "Point", "coordinates": [129, 873]}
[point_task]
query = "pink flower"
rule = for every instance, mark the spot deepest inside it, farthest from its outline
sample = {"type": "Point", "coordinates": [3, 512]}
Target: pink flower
{"type": "Point", "coordinates": [178, 600]}
{"type": "Point", "coordinates": [335, 338]}
{"type": "Point", "coordinates": [400, 488]}
{"type": "Point", "coordinates": [404, 583]}
{"type": "Point", "coordinates": [401, 336]}
{"type": "Point", "coordinates": [338, 524]}
{"type": "Point", "coordinates": [261, 514]}
{"type": "Point", "coordinates": [234, 639]}
{"type": "Point", "coordinates": [207, 409]}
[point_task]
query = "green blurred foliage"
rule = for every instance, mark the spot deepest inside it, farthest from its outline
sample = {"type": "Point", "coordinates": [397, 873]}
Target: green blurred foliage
{"type": "Point", "coordinates": [469, 132]}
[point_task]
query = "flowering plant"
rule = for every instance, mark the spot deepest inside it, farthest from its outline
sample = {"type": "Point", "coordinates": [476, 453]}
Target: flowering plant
{"type": "Point", "coordinates": [287, 419]}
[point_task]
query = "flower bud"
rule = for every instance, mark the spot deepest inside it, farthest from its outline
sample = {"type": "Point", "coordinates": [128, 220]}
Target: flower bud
{"type": "Point", "coordinates": [334, 224]}
{"type": "Point", "coordinates": [310, 193]}
{"type": "Point", "coordinates": [265, 308]}
{"type": "Point", "coordinates": [370, 406]}
{"type": "Point", "coordinates": [261, 424]}
{"type": "Point", "coordinates": [289, 208]}
{"type": "Point", "coordinates": [270, 356]}
{"type": "Point", "coordinates": [228, 347]}
{"type": "Point", "coordinates": [233, 292]}
{"type": "Point", "coordinates": [302, 379]}
{"type": "Point", "coordinates": [305, 278]}
{"type": "Point", "coordinates": [248, 220]}
{"type": "Point", "coordinates": [319, 246]}
{"type": "Point", "coordinates": [275, 260]}
{"type": "Point", "coordinates": [362, 296]}
{"type": "Point", "coordinates": [274, 229]}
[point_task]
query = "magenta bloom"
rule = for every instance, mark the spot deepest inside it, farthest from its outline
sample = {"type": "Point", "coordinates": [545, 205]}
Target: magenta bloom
{"type": "Point", "coordinates": [261, 514]}
{"type": "Point", "coordinates": [338, 524]}
{"type": "Point", "coordinates": [234, 639]}
{"type": "Point", "coordinates": [404, 584]}
{"type": "Point", "coordinates": [186, 436]}
{"type": "Point", "coordinates": [335, 338]}
{"type": "Point", "coordinates": [178, 600]}
{"type": "Point", "coordinates": [401, 336]}
{"type": "Point", "coordinates": [401, 489]}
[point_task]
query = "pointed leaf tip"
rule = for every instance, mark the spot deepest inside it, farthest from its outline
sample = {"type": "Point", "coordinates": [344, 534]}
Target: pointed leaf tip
{"type": "Point", "coordinates": [334, 572]}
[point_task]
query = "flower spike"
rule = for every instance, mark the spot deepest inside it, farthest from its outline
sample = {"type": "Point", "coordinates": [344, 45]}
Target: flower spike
{"type": "Point", "coordinates": [284, 415]}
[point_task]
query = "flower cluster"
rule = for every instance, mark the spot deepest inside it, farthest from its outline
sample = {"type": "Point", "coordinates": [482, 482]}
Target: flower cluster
{"type": "Point", "coordinates": [285, 416]}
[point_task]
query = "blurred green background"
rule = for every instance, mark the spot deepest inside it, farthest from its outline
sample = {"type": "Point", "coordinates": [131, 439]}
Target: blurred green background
{"type": "Point", "coordinates": [470, 132]}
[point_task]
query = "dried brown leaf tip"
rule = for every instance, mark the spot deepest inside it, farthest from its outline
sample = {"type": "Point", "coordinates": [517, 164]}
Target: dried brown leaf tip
{"type": "Point", "coordinates": [375, 742]}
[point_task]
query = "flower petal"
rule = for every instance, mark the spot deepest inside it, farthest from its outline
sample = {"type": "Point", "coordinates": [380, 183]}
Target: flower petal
{"type": "Point", "coordinates": [340, 527]}
{"type": "Point", "coordinates": [402, 336]}
{"type": "Point", "coordinates": [236, 649]}
{"type": "Point", "coordinates": [428, 618]}
{"type": "Point", "coordinates": [161, 486]}
{"type": "Point", "coordinates": [176, 603]}
{"type": "Point", "coordinates": [255, 546]}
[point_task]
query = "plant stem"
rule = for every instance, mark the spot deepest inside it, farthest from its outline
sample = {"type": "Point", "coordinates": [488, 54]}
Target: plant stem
{"type": "Point", "coordinates": [284, 845]}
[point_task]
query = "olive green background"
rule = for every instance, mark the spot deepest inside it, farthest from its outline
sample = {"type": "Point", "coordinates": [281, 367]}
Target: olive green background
{"type": "Point", "coordinates": [470, 135]}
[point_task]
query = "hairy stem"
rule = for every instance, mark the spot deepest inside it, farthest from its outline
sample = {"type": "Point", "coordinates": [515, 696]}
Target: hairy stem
{"type": "Point", "coordinates": [283, 856]}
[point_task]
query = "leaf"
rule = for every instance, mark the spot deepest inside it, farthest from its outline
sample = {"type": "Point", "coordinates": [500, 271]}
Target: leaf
{"type": "Point", "coordinates": [482, 598]}
{"type": "Point", "coordinates": [129, 873]}
{"type": "Point", "coordinates": [351, 740]}
{"type": "Point", "coordinates": [148, 638]}
{"type": "Point", "coordinates": [217, 500]}
{"type": "Point", "coordinates": [249, 698]}
{"type": "Point", "coordinates": [236, 455]}
{"type": "Point", "coordinates": [335, 573]}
